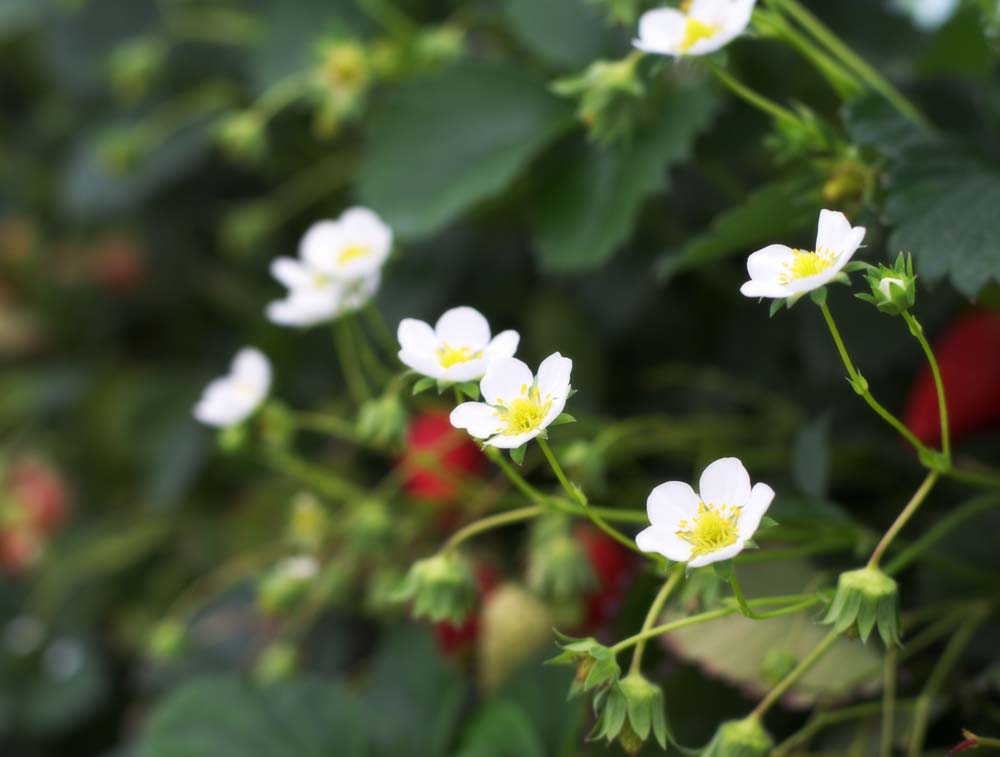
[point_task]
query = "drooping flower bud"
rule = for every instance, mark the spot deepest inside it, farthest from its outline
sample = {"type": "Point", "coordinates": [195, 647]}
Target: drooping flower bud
{"type": "Point", "coordinates": [441, 587]}
{"type": "Point", "coordinates": [558, 566]}
{"type": "Point", "coordinates": [382, 421]}
{"type": "Point", "coordinates": [630, 710]}
{"type": "Point", "coordinates": [242, 137]}
{"type": "Point", "coordinates": [740, 738]}
{"type": "Point", "coordinates": [865, 599]}
{"type": "Point", "coordinates": [277, 662]}
{"type": "Point", "coordinates": [309, 523]}
{"type": "Point", "coordinates": [285, 583]}
{"type": "Point", "coordinates": [604, 90]}
{"type": "Point", "coordinates": [596, 666]}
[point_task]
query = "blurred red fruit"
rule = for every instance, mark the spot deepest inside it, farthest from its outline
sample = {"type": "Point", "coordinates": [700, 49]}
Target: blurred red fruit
{"type": "Point", "coordinates": [969, 356]}
{"type": "Point", "coordinates": [19, 548]}
{"type": "Point", "coordinates": [437, 457]}
{"type": "Point", "coordinates": [37, 488]}
{"type": "Point", "coordinates": [451, 638]}
{"type": "Point", "coordinates": [120, 267]}
{"type": "Point", "coordinates": [612, 565]}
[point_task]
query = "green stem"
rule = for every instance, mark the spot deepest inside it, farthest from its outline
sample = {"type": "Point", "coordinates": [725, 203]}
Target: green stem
{"type": "Point", "coordinates": [577, 495]}
{"type": "Point", "coordinates": [745, 606]}
{"type": "Point", "coordinates": [320, 479]}
{"type": "Point", "coordinates": [789, 680]}
{"type": "Point", "coordinates": [389, 17]}
{"type": "Point", "coordinates": [865, 71]}
{"type": "Point", "coordinates": [753, 97]}
{"type": "Point", "coordinates": [918, 331]}
{"type": "Point", "coordinates": [985, 478]}
{"type": "Point", "coordinates": [369, 360]}
{"type": "Point", "coordinates": [946, 661]}
{"type": "Point", "coordinates": [861, 385]}
{"type": "Point", "coordinates": [888, 702]}
{"type": "Point", "coordinates": [796, 602]}
{"type": "Point", "coordinates": [326, 424]}
{"type": "Point", "coordinates": [985, 741]}
{"type": "Point", "coordinates": [493, 521]}
{"type": "Point", "coordinates": [349, 362]}
{"type": "Point", "coordinates": [940, 529]}
{"type": "Point", "coordinates": [901, 520]}
{"type": "Point", "coordinates": [654, 612]}
{"type": "Point", "coordinates": [515, 478]}
{"type": "Point", "coordinates": [382, 334]}
{"type": "Point", "coordinates": [281, 95]}
{"type": "Point", "coordinates": [824, 719]}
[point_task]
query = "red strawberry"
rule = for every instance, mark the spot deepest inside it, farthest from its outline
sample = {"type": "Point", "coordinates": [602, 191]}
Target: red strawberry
{"type": "Point", "coordinates": [450, 637]}
{"type": "Point", "coordinates": [437, 457]}
{"type": "Point", "coordinates": [20, 547]}
{"type": "Point", "coordinates": [612, 565]}
{"type": "Point", "coordinates": [36, 487]}
{"type": "Point", "coordinates": [969, 356]}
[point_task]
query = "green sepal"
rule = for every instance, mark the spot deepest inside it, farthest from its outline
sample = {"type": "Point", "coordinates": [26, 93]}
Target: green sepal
{"type": "Point", "coordinates": [469, 388]}
{"type": "Point", "coordinates": [767, 522]}
{"type": "Point", "coordinates": [818, 296]}
{"type": "Point", "coordinates": [776, 305]}
{"type": "Point", "coordinates": [423, 385]}
{"type": "Point", "coordinates": [517, 454]}
{"type": "Point", "coordinates": [563, 418]}
{"type": "Point", "coordinates": [724, 570]}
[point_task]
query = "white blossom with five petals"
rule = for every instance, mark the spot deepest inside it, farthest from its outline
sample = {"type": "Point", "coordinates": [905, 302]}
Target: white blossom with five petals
{"type": "Point", "coordinates": [697, 27]}
{"type": "Point", "coordinates": [231, 399]}
{"type": "Point", "coordinates": [351, 247]}
{"type": "Point", "coordinates": [711, 525]}
{"type": "Point", "coordinates": [517, 406]}
{"type": "Point", "coordinates": [458, 348]}
{"type": "Point", "coordinates": [778, 271]}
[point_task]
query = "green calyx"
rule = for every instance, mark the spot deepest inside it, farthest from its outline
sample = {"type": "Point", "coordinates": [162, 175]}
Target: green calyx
{"type": "Point", "coordinates": [629, 711]}
{"type": "Point", "coordinates": [893, 289]}
{"type": "Point", "coordinates": [865, 599]}
{"type": "Point", "coordinates": [596, 666]}
{"type": "Point", "coordinates": [441, 587]}
{"type": "Point", "coordinates": [740, 738]}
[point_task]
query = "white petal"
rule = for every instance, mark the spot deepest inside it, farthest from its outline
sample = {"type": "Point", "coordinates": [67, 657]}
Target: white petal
{"type": "Point", "coordinates": [463, 327]}
{"type": "Point", "coordinates": [553, 377]}
{"type": "Point", "coordinates": [363, 228]}
{"type": "Point", "coordinates": [470, 370]}
{"type": "Point", "coordinates": [661, 31]}
{"type": "Point", "coordinates": [422, 364]}
{"type": "Point", "coordinates": [416, 337]}
{"type": "Point", "coordinates": [304, 308]}
{"type": "Point", "coordinates": [511, 441]}
{"type": "Point", "coordinates": [725, 482]}
{"type": "Point", "coordinates": [670, 503]}
{"type": "Point", "coordinates": [356, 293]}
{"type": "Point", "coordinates": [251, 367]}
{"type": "Point", "coordinates": [764, 289]}
{"type": "Point", "coordinates": [321, 245]}
{"type": "Point", "coordinates": [663, 541]}
{"type": "Point", "coordinates": [291, 273]}
{"type": "Point", "coordinates": [554, 411]}
{"type": "Point", "coordinates": [756, 505]}
{"type": "Point", "coordinates": [505, 381]}
{"type": "Point", "coordinates": [478, 418]}
{"type": "Point", "coordinates": [727, 553]}
{"type": "Point", "coordinates": [833, 230]}
{"type": "Point", "coordinates": [769, 263]}
{"type": "Point", "coordinates": [503, 345]}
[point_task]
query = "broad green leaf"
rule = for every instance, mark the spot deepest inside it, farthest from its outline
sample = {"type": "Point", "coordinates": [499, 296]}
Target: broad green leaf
{"type": "Point", "coordinates": [566, 33]}
{"type": "Point", "coordinates": [412, 696]}
{"type": "Point", "coordinates": [540, 691]}
{"type": "Point", "coordinates": [589, 208]}
{"type": "Point", "coordinates": [501, 729]}
{"type": "Point", "coordinates": [780, 210]}
{"type": "Point", "coordinates": [439, 145]}
{"type": "Point", "coordinates": [227, 716]}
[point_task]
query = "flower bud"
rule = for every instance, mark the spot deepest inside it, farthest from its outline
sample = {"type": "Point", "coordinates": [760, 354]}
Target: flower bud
{"type": "Point", "coordinates": [122, 150]}
{"type": "Point", "coordinates": [309, 523]}
{"type": "Point", "coordinates": [368, 529]}
{"type": "Point", "coordinates": [604, 89]}
{"type": "Point", "coordinates": [232, 439]}
{"type": "Point", "coordinates": [630, 710]}
{"type": "Point", "coordinates": [277, 429]}
{"type": "Point", "coordinates": [441, 587]}
{"type": "Point", "coordinates": [866, 598]}
{"type": "Point", "coordinates": [285, 583]}
{"type": "Point", "coordinates": [893, 290]}
{"type": "Point", "coordinates": [777, 664]}
{"type": "Point", "coordinates": [439, 46]}
{"type": "Point", "coordinates": [134, 65]}
{"type": "Point", "coordinates": [596, 665]}
{"type": "Point", "coordinates": [740, 738]}
{"type": "Point", "coordinates": [277, 662]}
{"type": "Point", "coordinates": [382, 421]}
{"type": "Point", "coordinates": [166, 641]}
{"type": "Point", "coordinates": [558, 566]}
{"type": "Point", "coordinates": [242, 137]}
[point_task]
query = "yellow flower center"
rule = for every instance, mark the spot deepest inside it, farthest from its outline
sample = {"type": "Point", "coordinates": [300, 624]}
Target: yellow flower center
{"type": "Point", "coordinates": [695, 31]}
{"type": "Point", "coordinates": [353, 252]}
{"type": "Point", "coordinates": [320, 280]}
{"type": "Point", "coordinates": [526, 413]}
{"type": "Point", "coordinates": [449, 356]}
{"type": "Point", "coordinates": [806, 263]}
{"type": "Point", "coordinates": [713, 528]}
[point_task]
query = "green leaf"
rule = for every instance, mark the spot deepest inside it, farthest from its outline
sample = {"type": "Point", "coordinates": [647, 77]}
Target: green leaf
{"type": "Point", "coordinates": [501, 729]}
{"type": "Point", "coordinates": [517, 454]}
{"type": "Point", "coordinates": [226, 716]}
{"type": "Point", "coordinates": [566, 33]}
{"type": "Point", "coordinates": [439, 145]}
{"type": "Point", "coordinates": [563, 418]}
{"type": "Point", "coordinates": [423, 385]}
{"type": "Point", "coordinates": [589, 206]}
{"type": "Point", "coordinates": [780, 210]}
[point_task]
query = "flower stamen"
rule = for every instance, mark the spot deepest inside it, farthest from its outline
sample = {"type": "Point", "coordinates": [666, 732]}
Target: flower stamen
{"type": "Point", "coordinates": [353, 252]}
{"type": "Point", "coordinates": [712, 529]}
{"type": "Point", "coordinates": [695, 32]}
{"type": "Point", "coordinates": [806, 263]}
{"type": "Point", "coordinates": [449, 356]}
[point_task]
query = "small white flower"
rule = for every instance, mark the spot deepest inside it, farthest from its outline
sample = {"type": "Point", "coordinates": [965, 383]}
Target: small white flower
{"type": "Point", "coordinates": [518, 406]}
{"type": "Point", "coordinates": [316, 297]}
{"type": "Point", "coordinates": [697, 27]}
{"type": "Point", "coordinates": [300, 568]}
{"type": "Point", "coordinates": [354, 246]}
{"type": "Point", "coordinates": [711, 525]}
{"type": "Point", "coordinates": [928, 14]}
{"type": "Point", "coordinates": [458, 348]}
{"type": "Point", "coordinates": [778, 271]}
{"type": "Point", "coordinates": [231, 399]}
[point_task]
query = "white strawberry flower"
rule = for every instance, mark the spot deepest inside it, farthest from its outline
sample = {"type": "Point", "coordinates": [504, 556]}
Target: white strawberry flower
{"type": "Point", "coordinates": [778, 271]}
{"type": "Point", "coordinates": [458, 348]}
{"type": "Point", "coordinates": [351, 247]}
{"type": "Point", "coordinates": [711, 525]}
{"type": "Point", "coordinates": [231, 399]}
{"type": "Point", "coordinates": [315, 297]}
{"type": "Point", "coordinates": [517, 406]}
{"type": "Point", "coordinates": [696, 27]}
